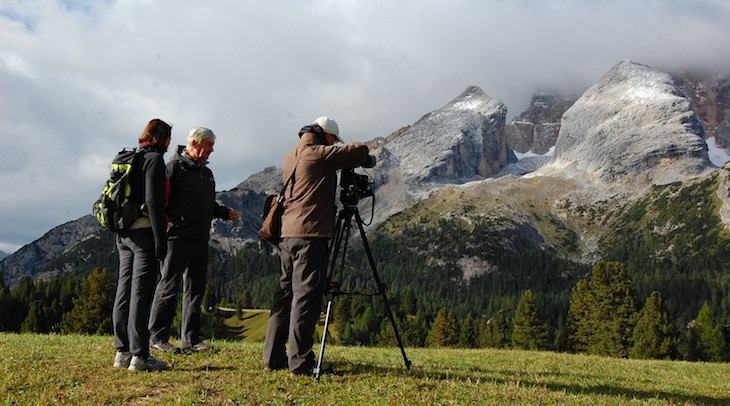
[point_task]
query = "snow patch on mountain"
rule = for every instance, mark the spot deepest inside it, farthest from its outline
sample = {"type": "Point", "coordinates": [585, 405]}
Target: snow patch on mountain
{"type": "Point", "coordinates": [718, 156]}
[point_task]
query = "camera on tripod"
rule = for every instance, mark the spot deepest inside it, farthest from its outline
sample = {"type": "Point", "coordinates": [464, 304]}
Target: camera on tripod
{"type": "Point", "coordinates": [354, 185]}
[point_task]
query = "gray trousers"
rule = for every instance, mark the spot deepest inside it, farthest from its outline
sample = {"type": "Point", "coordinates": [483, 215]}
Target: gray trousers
{"type": "Point", "coordinates": [186, 260]}
{"type": "Point", "coordinates": [297, 304]}
{"type": "Point", "coordinates": [137, 273]}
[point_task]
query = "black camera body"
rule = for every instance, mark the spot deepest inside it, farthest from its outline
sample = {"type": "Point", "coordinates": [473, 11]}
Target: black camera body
{"type": "Point", "coordinates": [354, 185]}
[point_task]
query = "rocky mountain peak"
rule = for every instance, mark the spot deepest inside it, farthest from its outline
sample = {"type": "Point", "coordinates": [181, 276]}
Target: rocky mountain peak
{"type": "Point", "coordinates": [473, 99]}
{"type": "Point", "coordinates": [461, 141]}
{"type": "Point", "coordinates": [635, 121]}
{"type": "Point", "coordinates": [635, 125]}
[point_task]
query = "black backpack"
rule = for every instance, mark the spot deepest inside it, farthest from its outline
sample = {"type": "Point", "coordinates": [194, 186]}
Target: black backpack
{"type": "Point", "coordinates": [116, 209]}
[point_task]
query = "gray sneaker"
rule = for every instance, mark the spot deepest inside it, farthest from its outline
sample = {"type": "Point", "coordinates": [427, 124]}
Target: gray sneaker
{"type": "Point", "coordinates": [121, 360]}
{"type": "Point", "coordinates": [149, 364]}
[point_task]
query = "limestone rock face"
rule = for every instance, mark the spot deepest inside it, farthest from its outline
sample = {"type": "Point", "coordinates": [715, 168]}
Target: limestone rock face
{"type": "Point", "coordinates": [461, 141]}
{"type": "Point", "coordinates": [536, 129]}
{"type": "Point", "coordinates": [709, 95]}
{"type": "Point", "coordinates": [634, 123]}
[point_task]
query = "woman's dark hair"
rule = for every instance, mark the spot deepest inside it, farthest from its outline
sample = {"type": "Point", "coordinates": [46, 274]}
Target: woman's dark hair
{"type": "Point", "coordinates": [156, 133]}
{"type": "Point", "coordinates": [316, 130]}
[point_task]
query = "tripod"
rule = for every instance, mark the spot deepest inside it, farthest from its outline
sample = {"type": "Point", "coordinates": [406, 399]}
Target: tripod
{"type": "Point", "coordinates": [342, 234]}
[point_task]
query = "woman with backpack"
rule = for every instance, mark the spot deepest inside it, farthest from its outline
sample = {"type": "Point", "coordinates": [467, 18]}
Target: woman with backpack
{"type": "Point", "coordinates": [141, 248]}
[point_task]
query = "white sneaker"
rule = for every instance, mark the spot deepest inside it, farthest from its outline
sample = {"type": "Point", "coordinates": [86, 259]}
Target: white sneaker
{"type": "Point", "coordinates": [121, 360]}
{"type": "Point", "coordinates": [149, 364]}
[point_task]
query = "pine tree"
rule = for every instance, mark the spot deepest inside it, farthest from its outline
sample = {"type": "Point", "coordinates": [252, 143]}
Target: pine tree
{"type": "Point", "coordinates": [11, 309]}
{"type": "Point", "coordinates": [245, 299]}
{"type": "Point", "coordinates": [34, 321]}
{"type": "Point", "coordinates": [409, 302]}
{"type": "Point", "coordinates": [443, 330]}
{"type": "Point", "coordinates": [92, 307]}
{"type": "Point", "coordinates": [579, 328]}
{"type": "Point", "coordinates": [411, 334]}
{"type": "Point", "coordinates": [602, 311]}
{"type": "Point", "coordinates": [366, 326]}
{"type": "Point", "coordinates": [469, 333]}
{"type": "Point", "coordinates": [709, 342]}
{"type": "Point", "coordinates": [493, 332]}
{"type": "Point", "coordinates": [341, 320]}
{"type": "Point", "coordinates": [529, 332]}
{"type": "Point", "coordinates": [212, 325]}
{"type": "Point", "coordinates": [654, 335]}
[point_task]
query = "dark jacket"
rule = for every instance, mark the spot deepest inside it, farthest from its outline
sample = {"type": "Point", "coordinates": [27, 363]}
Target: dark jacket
{"type": "Point", "coordinates": [149, 189]}
{"type": "Point", "coordinates": [310, 209]}
{"type": "Point", "coordinates": [192, 205]}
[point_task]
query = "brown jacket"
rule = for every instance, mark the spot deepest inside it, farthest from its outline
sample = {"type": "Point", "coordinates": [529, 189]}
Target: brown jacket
{"type": "Point", "coordinates": [310, 210]}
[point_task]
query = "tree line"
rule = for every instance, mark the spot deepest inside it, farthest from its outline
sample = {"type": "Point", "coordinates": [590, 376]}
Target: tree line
{"type": "Point", "coordinates": [603, 318]}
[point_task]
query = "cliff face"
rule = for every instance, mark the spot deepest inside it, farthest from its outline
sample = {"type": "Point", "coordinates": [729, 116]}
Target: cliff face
{"type": "Point", "coordinates": [634, 122]}
{"type": "Point", "coordinates": [709, 95]}
{"type": "Point", "coordinates": [536, 129]}
{"type": "Point", "coordinates": [460, 142]}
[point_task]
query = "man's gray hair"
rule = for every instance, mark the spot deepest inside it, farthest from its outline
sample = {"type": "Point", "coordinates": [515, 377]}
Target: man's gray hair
{"type": "Point", "coordinates": [199, 134]}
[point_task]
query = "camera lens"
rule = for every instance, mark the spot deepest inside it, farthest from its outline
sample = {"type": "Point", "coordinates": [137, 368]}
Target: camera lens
{"type": "Point", "coordinates": [370, 162]}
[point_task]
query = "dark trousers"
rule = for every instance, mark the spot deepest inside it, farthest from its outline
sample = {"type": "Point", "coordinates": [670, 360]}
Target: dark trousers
{"type": "Point", "coordinates": [137, 273]}
{"type": "Point", "coordinates": [186, 260]}
{"type": "Point", "coordinates": [297, 304]}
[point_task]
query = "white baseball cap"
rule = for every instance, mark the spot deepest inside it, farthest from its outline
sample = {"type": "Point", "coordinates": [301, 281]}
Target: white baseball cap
{"type": "Point", "coordinates": [329, 126]}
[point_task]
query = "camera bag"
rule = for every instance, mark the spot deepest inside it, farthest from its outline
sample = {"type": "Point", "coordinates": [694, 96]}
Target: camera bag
{"type": "Point", "coordinates": [271, 214]}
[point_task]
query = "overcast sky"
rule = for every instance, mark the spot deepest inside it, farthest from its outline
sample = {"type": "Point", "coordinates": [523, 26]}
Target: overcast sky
{"type": "Point", "coordinates": [80, 79]}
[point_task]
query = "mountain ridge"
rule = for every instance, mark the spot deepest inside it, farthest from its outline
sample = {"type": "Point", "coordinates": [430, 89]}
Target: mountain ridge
{"type": "Point", "coordinates": [463, 148]}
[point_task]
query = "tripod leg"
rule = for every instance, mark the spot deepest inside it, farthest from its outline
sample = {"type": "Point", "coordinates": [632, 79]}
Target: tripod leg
{"type": "Point", "coordinates": [381, 290]}
{"type": "Point", "coordinates": [342, 234]}
{"type": "Point", "coordinates": [318, 368]}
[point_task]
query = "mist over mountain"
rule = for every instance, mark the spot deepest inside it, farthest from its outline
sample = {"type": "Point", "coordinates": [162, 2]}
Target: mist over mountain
{"type": "Point", "coordinates": [637, 127]}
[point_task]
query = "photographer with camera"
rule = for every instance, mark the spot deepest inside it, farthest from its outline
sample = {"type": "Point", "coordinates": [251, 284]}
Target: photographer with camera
{"type": "Point", "coordinates": [308, 223]}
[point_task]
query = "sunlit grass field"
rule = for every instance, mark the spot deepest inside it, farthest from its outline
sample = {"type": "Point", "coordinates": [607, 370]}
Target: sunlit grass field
{"type": "Point", "coordinates": [53, 369]}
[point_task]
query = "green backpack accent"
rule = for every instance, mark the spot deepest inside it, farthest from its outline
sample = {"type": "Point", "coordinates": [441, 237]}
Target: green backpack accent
{"type": "Point", "coordinates": [116, 209]}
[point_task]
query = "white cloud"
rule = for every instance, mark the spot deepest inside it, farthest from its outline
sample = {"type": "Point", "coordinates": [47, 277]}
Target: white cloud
{"type": "Point", "coordinates": [81, 78]}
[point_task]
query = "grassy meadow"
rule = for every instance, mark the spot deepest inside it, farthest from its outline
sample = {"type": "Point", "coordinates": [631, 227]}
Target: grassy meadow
{"type": "Point", "coordinates": [55, 369]}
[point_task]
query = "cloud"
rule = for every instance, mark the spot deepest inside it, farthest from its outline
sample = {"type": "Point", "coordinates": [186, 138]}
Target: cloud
{"type": "Point", "coordinates": [82, 78]}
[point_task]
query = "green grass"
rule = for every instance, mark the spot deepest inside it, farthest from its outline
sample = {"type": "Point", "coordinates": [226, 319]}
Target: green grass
{"type": "Point", "coordinates": [250, 327]}
{"type": "Point", "coordinates": [45, 369]}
